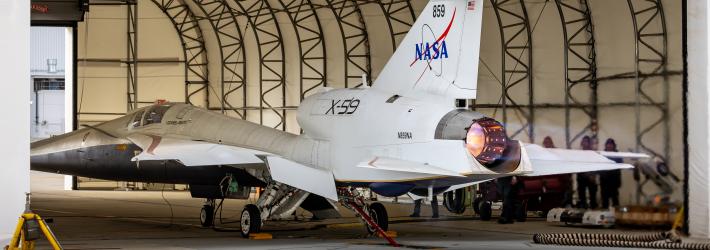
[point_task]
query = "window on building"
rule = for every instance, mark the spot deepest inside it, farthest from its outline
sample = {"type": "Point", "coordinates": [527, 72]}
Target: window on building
{"type": "Point", "coordinates": [48, 84]}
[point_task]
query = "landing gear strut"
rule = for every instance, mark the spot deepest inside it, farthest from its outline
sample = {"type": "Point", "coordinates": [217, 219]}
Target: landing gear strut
{"type": "Point", "coordinates": [207, 214]}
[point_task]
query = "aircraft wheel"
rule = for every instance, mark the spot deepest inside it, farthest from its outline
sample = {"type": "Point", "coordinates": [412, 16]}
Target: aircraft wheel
{"type": "Point", "coordinates": [250, 221]}
{"type": "Point", "coordinates": [207, 216]}
{"type": "Point", "coordinates": [476, 204]}
{"type": "Point", "coordinates": [486, 210]}
{"type": "Point", "coordinates": [378, 213]}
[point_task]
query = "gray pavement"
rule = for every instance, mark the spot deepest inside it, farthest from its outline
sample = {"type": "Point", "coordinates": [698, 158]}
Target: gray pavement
{"type": "Point", "coordinates": [169, 220]}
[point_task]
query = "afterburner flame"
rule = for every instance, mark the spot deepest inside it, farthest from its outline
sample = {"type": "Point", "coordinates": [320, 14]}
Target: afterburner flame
{"type": "Point", "coordinates": [475, 140]}
{"type": "Point", "coordinates": [486, 140]}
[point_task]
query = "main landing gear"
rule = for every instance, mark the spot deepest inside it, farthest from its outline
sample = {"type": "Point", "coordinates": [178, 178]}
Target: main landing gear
{"type": "Point", "coordinates": [278, 201]}
{"type": "Point", "coordinates": [378, 214]}
{"type": "Point", "coordinates": [250, 220]}
{"type": "Point", "coordinates": [207, 214]}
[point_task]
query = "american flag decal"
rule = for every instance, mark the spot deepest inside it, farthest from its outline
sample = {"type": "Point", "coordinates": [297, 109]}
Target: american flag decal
{"type": "Point", "coordinates": [472, 5]}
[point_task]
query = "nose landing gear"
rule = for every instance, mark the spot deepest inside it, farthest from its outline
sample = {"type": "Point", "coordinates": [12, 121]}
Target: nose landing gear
{"type": "Point", "coordinates": [207, 214]}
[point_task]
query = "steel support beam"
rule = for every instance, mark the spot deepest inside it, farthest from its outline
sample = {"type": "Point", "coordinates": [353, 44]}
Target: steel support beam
{"type": "Point", "coordinates": [272, 65]}
{"type": "Point", "coordinates": [233, 71]}
{"type": "Point", "coordinates": [131, 55]}
{"type": "Point", "coordinates": [313, 70]}
{"type": "Point", "coordinates": [517, 67]}
{"type": "Point", "coordinates": [400, 17]}
{"type": "Point", "coordinates": [580, 66]}
{"type": "Point", "coordinates": [356, 42]}
{"type": "Point", "coordinates": [651, 62]}
{"type": "Point", "coordinates": [193, 47]}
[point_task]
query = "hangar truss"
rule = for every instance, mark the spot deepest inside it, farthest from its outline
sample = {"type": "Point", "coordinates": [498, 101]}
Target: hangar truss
{"type": "Point", "coordinates": [252, 84]}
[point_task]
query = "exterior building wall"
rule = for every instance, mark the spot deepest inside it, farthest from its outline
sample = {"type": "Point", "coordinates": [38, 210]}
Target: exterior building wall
{"type": "Point", "coordinates": [47, 61]}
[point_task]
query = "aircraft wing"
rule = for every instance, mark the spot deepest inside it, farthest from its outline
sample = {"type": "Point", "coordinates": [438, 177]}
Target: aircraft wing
{"type": "Point", "coordinates": [551, 161]}
{"type": "Point", "coordinates": [192, 153]}
{"type": "Point", "coordinates": [200, 153]}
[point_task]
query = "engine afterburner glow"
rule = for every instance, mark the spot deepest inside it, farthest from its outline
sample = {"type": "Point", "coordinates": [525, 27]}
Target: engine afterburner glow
{"type": "Point", "coordinates": [486, 140]}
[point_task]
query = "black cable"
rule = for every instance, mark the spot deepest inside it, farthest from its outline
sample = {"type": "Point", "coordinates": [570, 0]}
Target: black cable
{"type": "Point", "coordinates": [220, 207]}
{"type": "Point", "coordinates": [649, 237]}
{"type": "Point", "coordinates": [172, 214]}
{"type": "Point", "coordinates": [162, 194]}
{"type": "Point", "coordinates": [218, 210]}
{"type": "Point", "coordinates": [661, 240]}
{"type": "Point", "coordinates": [615, 243]}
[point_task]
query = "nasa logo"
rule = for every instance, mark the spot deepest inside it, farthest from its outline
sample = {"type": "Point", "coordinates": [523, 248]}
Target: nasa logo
{"type": "Point", "coordinates": [428, 52]}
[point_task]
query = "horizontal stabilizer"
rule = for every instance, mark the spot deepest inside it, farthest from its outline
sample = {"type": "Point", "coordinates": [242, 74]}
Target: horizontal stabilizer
{"type": "Point", "coordinates": [192, 153]}
{"type": "Point", "coordinates": [627, 155]}
{"type": "Point", "coordinates": [551, 161]}
{"type": "Point", "coordinates": [390, 164]}
{"type": "Point", "coordinates": [542, 167]}
{"type": "Point", "coordinates": [312, 180]}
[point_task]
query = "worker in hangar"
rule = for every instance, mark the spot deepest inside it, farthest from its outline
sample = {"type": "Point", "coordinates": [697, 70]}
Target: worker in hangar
{"type": "Point", "coordinates": [610, 181]}
{"type": "Point", "coordinates": [587, 181]}
{"type": "Point", "coordinates": [434, 208]}
{"type": "Point", "coordinates": [509, 187]}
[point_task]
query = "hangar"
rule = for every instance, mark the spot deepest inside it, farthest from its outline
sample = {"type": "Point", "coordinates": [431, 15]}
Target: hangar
{"type": "Point", "coordinates": [563, 69]}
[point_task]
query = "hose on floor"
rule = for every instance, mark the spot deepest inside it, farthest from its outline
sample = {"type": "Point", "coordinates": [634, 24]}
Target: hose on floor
{"type": "Point", "coordinates": [662, 240]}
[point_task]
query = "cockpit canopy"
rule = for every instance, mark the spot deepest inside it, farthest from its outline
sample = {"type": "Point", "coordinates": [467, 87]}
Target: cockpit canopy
{"type": "Point", "coordinates": [149, 115]}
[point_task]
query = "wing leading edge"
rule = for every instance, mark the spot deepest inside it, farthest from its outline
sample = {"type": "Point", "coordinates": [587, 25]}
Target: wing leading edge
{"type": "Point", "coordinates": [551, 161]}
{"type": "Point", "coordinates": [198, 153]}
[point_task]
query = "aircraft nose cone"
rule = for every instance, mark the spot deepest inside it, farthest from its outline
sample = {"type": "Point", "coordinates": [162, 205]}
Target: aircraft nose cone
{"type": "Point", "coordinates": [49, 155]}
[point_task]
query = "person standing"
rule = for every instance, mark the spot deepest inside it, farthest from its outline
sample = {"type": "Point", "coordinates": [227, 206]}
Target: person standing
{"type": "Point", "coordinates": [610, 180]}
{"type": "Point", "coordinates": [587, 182]}
{"type": "Point", "coordinates": [434, 208]}
{"type": "Point", "coordinates": [508, 187]}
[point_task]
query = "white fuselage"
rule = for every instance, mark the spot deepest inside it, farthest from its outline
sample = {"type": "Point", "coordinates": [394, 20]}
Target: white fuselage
{"type": "Point", "coordinates": [359, 126]}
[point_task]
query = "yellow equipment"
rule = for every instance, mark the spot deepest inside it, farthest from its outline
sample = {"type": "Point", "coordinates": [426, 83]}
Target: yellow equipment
{"type": "Point", "coordinates": [28, 230]}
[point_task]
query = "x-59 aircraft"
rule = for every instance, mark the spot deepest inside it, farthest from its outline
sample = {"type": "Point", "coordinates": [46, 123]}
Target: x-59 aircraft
{"type": "Point", "coordinates": [403, 135]}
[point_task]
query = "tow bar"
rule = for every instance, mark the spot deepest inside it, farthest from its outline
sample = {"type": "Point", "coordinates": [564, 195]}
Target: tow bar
{"type": "Point", "coordinates": [372, 224]}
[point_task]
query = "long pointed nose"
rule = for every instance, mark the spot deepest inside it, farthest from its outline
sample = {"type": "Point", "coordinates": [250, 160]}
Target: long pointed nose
{"type": "Point", "coordinates": [56, 154]}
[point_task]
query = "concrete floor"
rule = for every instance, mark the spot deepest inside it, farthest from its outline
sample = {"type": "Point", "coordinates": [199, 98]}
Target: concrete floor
{"type": "Point", "coordinates": [144, 220]}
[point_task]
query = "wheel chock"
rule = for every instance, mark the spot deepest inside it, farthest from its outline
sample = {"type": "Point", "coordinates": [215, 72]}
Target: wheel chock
{"type": "Point", "coordinates": [260, 236]}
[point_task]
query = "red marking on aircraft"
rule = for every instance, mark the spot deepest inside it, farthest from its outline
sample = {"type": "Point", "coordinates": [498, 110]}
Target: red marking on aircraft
{"type": "Point", "coordinates": [154, 144]}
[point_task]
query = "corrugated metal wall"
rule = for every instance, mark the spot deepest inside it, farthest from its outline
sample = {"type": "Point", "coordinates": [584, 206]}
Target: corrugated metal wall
{"type": "Point", "coordinates": [46, 43]}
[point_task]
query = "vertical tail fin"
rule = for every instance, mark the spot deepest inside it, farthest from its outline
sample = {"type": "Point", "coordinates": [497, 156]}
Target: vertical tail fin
{"type": "Point", "coordinates": [439, 55]}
